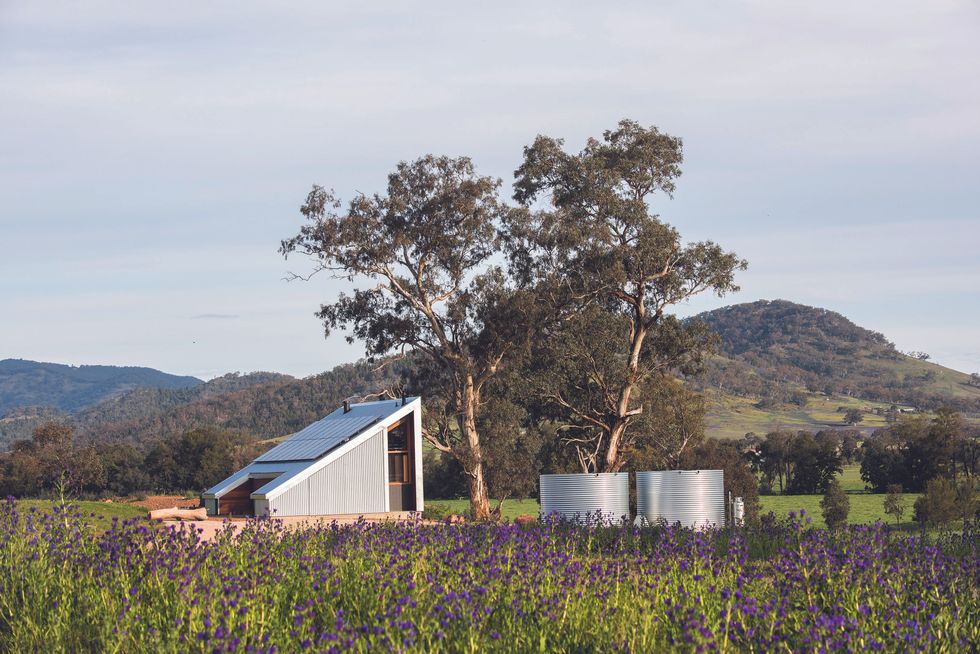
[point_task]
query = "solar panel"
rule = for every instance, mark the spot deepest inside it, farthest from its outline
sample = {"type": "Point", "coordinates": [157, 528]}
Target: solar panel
{"type": "Point", "coordinates": [319, 438]}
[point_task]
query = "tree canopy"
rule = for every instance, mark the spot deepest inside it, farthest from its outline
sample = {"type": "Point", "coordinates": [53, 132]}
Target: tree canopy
{"type": "Point", "coordinates": [429, 246]}
{"type": "Point", "coordinates": [617, 269]}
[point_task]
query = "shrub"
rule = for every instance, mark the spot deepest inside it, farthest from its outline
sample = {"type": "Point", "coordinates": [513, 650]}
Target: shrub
{"type": "Point", "coordinates": [893, 502]}
{"type": "Point", "coordinates": [435, 511]}
{"type": "Point", "coordinates": [937, 506]}
{"type": "Point", "coordinates": [835, 506]}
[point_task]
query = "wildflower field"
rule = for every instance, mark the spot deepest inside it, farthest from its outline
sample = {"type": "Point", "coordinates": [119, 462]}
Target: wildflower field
{"type": "Point", "coordinates": [479, 587]}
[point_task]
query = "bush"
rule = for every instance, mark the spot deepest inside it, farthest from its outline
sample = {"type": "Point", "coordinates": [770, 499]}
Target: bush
{"type": "Point", "coordinates": [893, 502]}
{"type": "Point", "coordinates": [937, 506]}
{"type": "Point", "coordinates": [835, 506]}
{"type": "Point", "coordinates": [434, 511]}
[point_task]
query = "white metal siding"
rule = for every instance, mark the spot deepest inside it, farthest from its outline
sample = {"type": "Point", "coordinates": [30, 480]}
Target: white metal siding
{"type": "Point", "coordinates": [354, 483]}
{"type": "Point", "coordinates": [586, 497]}
{"type": "Point", "coordinates": [694, 498]}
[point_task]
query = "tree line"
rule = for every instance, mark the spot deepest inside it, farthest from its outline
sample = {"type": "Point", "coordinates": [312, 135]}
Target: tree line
{"type": "Point", "coordinates": [56, 460]}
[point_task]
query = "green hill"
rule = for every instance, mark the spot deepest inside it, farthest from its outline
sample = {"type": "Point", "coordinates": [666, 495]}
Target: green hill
{"type": "Point", "coordinates": [783, 365]}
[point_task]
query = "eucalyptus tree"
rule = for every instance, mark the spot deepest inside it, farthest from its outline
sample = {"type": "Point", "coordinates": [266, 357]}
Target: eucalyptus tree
{"type": "Point", "coordinates": [429, 249]}
{"type": "Point", "coordinates": [589, 232]}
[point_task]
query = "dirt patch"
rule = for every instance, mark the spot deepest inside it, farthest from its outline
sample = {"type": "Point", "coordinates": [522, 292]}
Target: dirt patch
{"type": "Point", "coordinates": [154, 502]}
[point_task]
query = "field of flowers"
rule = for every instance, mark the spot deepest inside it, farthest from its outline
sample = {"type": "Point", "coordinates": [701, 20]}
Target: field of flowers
{"type": "Point", "coordinates": [475, 587]}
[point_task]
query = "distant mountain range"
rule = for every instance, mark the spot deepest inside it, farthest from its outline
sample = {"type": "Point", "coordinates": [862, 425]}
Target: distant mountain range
{"type": "Point", "coordinates": [780, 365]}
{"type": "Point", "coordinates": [69, 388]}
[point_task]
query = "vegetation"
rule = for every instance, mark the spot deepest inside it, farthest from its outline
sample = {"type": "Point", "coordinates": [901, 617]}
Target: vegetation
{"type": "Point", "coordinates": [915, 450]}
{"type": "Point", "coordinates": [452, 588]}
{"type": "Point", "coordinates": [428, 248]}
{"type": "Point", "coordinates": [55, 460]}
{"type": "Point", "coordinates": [596, 242]}
{"type": "Point", "coordinates": [893, 502]}
{"type": "Point", "coordinates": [69, 388]}
{"type": "Point", "coordinates": [775, 349]}
{"type": "Point", "coordinates": [93, 517]}
{"type": "Point", "coordinates": [945, 501]}
{"type": "Point", "coordinates": [834, 506]}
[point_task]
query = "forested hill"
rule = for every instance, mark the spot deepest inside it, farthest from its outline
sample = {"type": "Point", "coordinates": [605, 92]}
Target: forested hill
{"type": "Point", "coordinates": [271, 409]}
{"type": "Point", "coordinates": [137, 406]}
{"type": "Point", "coordinates": [776, 349]}
{"type": "Point", "coordinates": [69, 388]}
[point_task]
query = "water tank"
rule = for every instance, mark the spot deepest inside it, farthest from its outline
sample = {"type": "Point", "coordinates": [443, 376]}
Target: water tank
{"type": "Point", "coordinates": [694, 498]}
{"type": "Point", "coordinates": [582, 497]}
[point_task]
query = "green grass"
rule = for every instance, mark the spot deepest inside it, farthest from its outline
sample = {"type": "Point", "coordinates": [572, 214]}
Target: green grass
{"type": "Point", "coordinates": [850, 480]}
{"type": "Point", "coordinates": [508, 511]}
{"type": "Point", "coordinates": [96, 515]}
{"type": "Point", "coordinates": [865, 509]}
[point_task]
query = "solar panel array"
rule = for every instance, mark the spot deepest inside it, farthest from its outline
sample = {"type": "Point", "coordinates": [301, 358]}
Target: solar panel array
{"type": "Point", "coordinates": [319, 438]}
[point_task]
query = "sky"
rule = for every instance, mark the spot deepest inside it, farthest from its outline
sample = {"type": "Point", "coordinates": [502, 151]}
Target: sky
{"type": "Point", "coordinates": [152, 156]}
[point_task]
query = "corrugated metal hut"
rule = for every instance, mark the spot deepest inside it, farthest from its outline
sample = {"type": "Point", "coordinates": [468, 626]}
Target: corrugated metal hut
{"type": "Point", "coordinates": [362, 458]}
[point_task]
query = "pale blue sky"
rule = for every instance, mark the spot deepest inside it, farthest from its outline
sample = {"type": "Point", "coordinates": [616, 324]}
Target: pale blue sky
{"type": "Point", "coordinates": [152, 155]}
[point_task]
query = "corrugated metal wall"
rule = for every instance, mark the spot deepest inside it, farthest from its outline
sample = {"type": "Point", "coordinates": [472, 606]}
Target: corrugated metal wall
{"type": "Point", "coordinates": [581, 496]}
{"type": "Point", "coordinates": [694, 498]}
{"type": "Point", "coordinates": [354, 483]}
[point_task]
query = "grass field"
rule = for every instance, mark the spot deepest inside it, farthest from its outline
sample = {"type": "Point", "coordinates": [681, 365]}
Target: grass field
{"type": "Point", "coordinates": [96, 515]}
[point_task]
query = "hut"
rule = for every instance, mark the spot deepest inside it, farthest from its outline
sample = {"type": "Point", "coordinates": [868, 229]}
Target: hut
{"type": "Point", "coordinates": [363, 458]}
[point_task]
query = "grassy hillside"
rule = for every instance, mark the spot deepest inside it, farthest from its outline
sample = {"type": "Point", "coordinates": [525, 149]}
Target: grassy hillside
{"type": "Point", "coordinates": [775, 351]}
{"type": "Point", "coordinates": [731, 416]}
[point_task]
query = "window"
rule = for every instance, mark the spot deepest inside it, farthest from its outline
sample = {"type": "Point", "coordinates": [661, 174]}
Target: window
{"type": "Point", "coordinates": [398, 471]}
{"type": "Point", "coordinates": [399, 451]}
{"type": "Point", "coordinates": [398, 437]}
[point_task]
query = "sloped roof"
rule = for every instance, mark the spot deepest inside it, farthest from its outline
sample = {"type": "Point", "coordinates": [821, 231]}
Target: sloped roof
{"type": "Point", "coordinates": [308, 448]}
{"type": "Point", "coordinates": [314, 441]}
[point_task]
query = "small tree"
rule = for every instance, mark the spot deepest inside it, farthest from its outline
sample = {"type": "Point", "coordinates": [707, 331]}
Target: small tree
{"type": "Point", "coordinates": [937, 507]}
{"type": "Point", "coordinates": [893, 502]}
{"type": "Point", "coordinates": [853, 416]}
{"type": "Point", "coordinates": [967, 504]}
{"type": "Point", "coordinates": [835, 506]}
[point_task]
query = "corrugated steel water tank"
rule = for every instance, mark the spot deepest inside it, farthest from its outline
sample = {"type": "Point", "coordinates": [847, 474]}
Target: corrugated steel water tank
{"type": "Point", "coordinates": [582, 497]}
{"type": "Point", "coordinates": [694, 498]}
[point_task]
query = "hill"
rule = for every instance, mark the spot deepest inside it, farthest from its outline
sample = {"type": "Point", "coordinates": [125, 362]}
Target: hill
{"type": "Point", "coordinates": [787, 365]}
{"type": "Point", "coordinates": [70, 388]}
{"type": "Point", "coordinates": [120, 412]}
{"type": "Point", "coordinates": [268, 408]}
{"type": "Point", "coordinates": [780, 365]}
